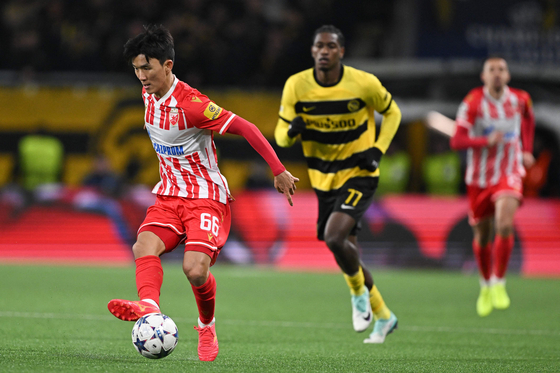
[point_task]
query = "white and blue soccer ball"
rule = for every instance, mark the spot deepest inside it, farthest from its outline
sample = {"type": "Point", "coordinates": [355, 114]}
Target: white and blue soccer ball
{"type": "Point", "coordinates": [155, 335]}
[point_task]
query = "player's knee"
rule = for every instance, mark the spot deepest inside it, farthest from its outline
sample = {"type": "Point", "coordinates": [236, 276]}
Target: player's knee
{"type": "Point", "coordinates": [505, 229]}
{"type": "Point", "coordinates": [482, 239]}
{"type": "Point", "coordinates": [335, 242]}
{"type": "Point", "coordinates": [140, 249]}
{"type": "Point", "coordinates": [197, 275]}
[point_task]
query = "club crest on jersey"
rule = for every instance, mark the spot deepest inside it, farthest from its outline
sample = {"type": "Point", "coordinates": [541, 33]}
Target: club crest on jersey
{"type": "Point", "coordinates": [353, 105]}
{"type": "Point", "coordinates": [212, 111]}
{"type": "Point", "coordinates": [174, 116]}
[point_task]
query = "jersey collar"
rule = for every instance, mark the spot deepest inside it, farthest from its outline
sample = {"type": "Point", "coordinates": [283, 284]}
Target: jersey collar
{"type": "Point", "coordinates": [166, 96]}
{"type": "Point", "coordinates": [502, 98]}
{"type": "Point", "coordinates": [329, 85]}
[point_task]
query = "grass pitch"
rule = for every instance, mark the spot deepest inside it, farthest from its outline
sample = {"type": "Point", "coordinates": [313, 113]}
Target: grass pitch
{"type": "Point", "coordinates": [54, 319]}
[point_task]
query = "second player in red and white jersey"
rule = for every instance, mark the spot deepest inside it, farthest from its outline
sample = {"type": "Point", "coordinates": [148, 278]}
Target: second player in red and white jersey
{"type": "Point", "coordinates": [495, 124]}
{"type": "Point", "coordinates": [180, 125]}
{"type": "Point", "coordinates": [512, 115]}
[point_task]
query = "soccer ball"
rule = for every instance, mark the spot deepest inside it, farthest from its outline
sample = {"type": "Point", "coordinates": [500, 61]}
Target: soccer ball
{"type": "Point", "coordinates": [155, 335]}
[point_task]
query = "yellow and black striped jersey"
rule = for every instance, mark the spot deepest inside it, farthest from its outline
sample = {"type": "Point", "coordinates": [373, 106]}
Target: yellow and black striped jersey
{"type": "Point", "coordinates": [340, 124]}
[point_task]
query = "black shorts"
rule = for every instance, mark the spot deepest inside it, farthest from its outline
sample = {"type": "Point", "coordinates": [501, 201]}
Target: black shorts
{"type": "Point", "coordinates": [353, 199]}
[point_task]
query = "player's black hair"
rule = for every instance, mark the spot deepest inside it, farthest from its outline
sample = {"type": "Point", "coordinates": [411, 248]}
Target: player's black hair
{"type": "Point", "coordinates": [331, 30]}
{"type": "Point", "coordinates": [155, 42]}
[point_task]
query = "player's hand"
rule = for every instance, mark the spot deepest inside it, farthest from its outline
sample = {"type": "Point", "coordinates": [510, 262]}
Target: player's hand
{"type": "Point", "coordinates": [528, 160]}
{"type": "Point", "coordinates": [297, 126]}
{"type": "Point", "coordinates": [371, 160]}
{"type": "Point", "coordinates": [285, 183]}
{"type": "Point", "coordinates": [495, 137]}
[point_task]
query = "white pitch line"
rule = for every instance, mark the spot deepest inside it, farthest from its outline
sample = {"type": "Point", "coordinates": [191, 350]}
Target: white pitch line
{"type": "Point", "coordinates": [293, 324]}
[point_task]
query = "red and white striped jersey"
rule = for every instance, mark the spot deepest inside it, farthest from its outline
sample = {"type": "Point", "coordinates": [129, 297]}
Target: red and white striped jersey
{"type": "Point", "coordinates": [180, 125]}
{"type": "Point", "coordinates": [482, 114]}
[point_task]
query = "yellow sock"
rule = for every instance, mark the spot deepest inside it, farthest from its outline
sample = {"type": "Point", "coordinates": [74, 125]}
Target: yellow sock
{"type": "Point", "coordinates": [378, 307]}
{"type": "Point", "coordinates": [356, 282]}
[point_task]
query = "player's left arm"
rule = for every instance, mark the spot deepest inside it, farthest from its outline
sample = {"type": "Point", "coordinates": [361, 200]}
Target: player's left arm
{"type": "Point", "coordinates": [528, 132]}
{"type": "Point", "coordinates": [389, 126]}
{"type": "Point", "coordinates": [284, 182]}
{"type": "Point", "coordinates": [384, 104]}
{"type": "Point", "coordinates": [205, 114]}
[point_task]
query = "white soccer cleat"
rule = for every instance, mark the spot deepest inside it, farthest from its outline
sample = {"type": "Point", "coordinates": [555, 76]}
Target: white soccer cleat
{"type": "Point", "coordinates": [361, 311]}
{"type": "Point", "coordinates": [381, 329]}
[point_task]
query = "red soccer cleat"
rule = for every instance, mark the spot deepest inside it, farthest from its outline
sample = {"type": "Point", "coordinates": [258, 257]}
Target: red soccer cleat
{"type": "Point", "coordinates": [129, 310]}
{"type": "Point", "coordinates": [207, 342]}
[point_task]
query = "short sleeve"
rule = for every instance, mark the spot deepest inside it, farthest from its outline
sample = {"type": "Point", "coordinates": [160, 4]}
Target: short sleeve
{"type": "Point", "coordinates": [466, 114]}
{"type": "Point", "coordinates": [286, 114]}
{"type": "Point", "coordinates": [381, 98]}
{"type": "Point", "coordinates": [203, 113]}
{"type": "Point", "coordinates": [288, 102]}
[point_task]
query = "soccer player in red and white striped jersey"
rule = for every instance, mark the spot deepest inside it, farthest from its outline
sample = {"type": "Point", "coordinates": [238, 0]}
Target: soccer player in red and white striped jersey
{"type": "Point", "coordinates": [192, 204]}
{"type": "Point", "coordinates": [496, 124]}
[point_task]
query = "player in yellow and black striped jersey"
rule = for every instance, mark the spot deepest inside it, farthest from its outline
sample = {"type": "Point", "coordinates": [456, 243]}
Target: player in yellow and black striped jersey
{"type": "Point", "coordinates": [331, 109]}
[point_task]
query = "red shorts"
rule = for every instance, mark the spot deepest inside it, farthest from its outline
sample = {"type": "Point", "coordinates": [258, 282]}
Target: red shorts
{"type": "Point", "coordinates": [202, 224]}
{"type": "Point", "coordinates": [482, 200]}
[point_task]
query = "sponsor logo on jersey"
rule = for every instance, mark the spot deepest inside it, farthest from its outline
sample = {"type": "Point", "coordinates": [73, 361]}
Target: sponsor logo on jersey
{"type": "Point", "coordinates": [507, 135]}
{"type": "Point", "coordinates": [168, 150]}
{"type": "Point", "coordinates": [174, 116]}
{"type": "Point", "coordinates": [353, 105]}
{"type": "Point", "coordinates": [328, 123]}
{"type": "Point", "coordinates": [308, 109]}
{"type": "Point", "coordinates": [347, 207]}
{"type": "Point", "coordinates": [195, 99]}
{"type": "Point", "coordinates": [212, 111]}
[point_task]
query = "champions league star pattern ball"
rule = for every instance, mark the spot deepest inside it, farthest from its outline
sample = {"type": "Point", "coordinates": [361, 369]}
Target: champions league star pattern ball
{"type": "Point", "coordinates": [155, 335]}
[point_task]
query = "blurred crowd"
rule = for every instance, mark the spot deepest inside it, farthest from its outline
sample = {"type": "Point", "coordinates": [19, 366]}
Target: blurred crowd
{"type": "Point", "coordinates": [221, 42]}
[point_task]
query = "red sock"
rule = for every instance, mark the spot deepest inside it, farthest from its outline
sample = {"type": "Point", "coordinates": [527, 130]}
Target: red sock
{"type": "Point", "coordinates": [149, 277]}
{"type": "Point", "coordinates": [503, 247]}
{"type": "Point", "coordinates": [205, 296]}
{"type": "Point", "coordinates": [483, 257]}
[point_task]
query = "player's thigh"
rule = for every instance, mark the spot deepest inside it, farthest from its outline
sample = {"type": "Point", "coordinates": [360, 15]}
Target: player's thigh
{"type": "Point", "coordinates": [339, 225]}
{"type": "Point", "coordinates": [326, 205]}
{"type": "Point", "coordinates": [163, 221]}
{"type": "Point", "coordinates": [481, 205]}
{"type": "Point", "coordinates": [506, 206]}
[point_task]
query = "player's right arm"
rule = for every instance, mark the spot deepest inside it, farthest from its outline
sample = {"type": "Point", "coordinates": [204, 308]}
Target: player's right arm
{"type": "Point", "coordinates": [286, 115]}
{"type": "Point", "coordinates": [466, 116]}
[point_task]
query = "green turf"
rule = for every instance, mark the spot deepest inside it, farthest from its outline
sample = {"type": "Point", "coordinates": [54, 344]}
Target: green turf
{"type": "Point", "coordinates": [54, 319]}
